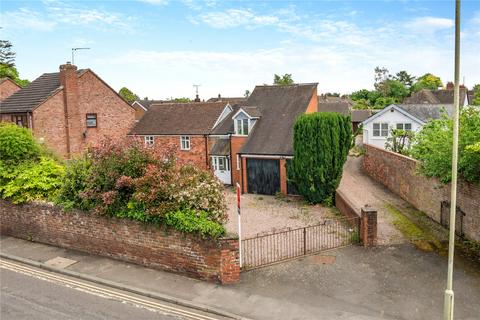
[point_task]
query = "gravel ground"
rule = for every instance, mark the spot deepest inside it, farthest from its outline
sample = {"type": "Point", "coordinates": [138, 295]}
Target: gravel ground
{"type": "Point", "coordinates": [264, 214]}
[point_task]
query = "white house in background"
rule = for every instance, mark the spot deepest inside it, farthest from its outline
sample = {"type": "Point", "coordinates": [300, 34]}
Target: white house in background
{"type": "Point", "coordinates": [410, 117]}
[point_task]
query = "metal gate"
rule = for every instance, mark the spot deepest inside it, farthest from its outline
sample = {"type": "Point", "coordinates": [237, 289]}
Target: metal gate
{"type": "Point", "coordinates": [263, 176]}
{"type": "Point", "coordinates": [267, 249]}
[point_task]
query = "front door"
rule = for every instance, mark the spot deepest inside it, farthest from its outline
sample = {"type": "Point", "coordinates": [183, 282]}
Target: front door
{"type": "Point", "coordinates": [221, 168]}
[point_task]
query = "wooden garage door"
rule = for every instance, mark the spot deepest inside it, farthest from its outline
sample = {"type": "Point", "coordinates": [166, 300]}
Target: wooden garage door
{"type": "Point", "coordinates": [263, 176]}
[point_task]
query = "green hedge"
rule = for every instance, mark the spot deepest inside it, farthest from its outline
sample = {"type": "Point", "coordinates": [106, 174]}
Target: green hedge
{"type": "Point", "coordinates": [321, 143]}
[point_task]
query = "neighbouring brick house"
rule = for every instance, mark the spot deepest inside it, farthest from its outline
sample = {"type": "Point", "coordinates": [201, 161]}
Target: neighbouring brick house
{"type": "Point", "coordinates": [7, 88]}
{"type": "Point", "coordinates": [247, 143]}
{"type": "Point", "coordinates": [70, 109]}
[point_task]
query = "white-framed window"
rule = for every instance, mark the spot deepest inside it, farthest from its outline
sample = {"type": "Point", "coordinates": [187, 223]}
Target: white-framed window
{"type": "Point", "coordinates": [238, 162]}
{"type": "Point", "coordinates": [149, 140]}
{"type": "Point", "coordinates": [380, 129]}
{"type": "Point", "coordinates": [184, 143]}
{"type": "Point", "coordinates": [404, 126]}
{"type": "Point", "coordinates": [242, 126]}
{"type": "Point", "coordinates": [220, 163]}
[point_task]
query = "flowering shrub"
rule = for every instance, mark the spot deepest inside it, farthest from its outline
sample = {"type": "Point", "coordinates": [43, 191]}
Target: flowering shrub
{"type": "Point", "coordinates": [130, 181]}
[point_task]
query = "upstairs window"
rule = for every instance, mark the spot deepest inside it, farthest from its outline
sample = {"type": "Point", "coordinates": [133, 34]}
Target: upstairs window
{"type": "Point", "coordinates": [242, 126]}
{"type": "Point", "coordinates": [404, 126]}
{"type": "Point", "coordinates": [184, 143]}
{"type": "Point", "coordinates": [149, 140]}
{"type": "Point", "coordinates": [380, 129]}
{"type": "Point", "coordinates": [91, 120]}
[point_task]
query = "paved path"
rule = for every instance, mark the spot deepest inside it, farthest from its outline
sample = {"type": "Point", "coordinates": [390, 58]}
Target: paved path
{"type": "Point", "coordinates": [362, 190]}
{"type": "Point", "coordinates": [388, 282]}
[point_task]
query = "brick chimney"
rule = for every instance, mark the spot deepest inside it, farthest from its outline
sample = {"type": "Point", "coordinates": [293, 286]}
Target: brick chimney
{"type": "Point", "coordinates": [73, 125]}
{"type": "Point", "coordinates": [450, 85]}
{"type": "Point", "coordinates": [197, 98]}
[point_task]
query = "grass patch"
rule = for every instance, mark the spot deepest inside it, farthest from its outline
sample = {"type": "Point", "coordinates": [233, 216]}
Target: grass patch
{"type": "Point", "coordinates": [415, 227]}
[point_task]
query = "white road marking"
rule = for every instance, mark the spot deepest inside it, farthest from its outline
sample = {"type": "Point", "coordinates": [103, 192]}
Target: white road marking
{"type": "Point", "coordinates": [93, 289]}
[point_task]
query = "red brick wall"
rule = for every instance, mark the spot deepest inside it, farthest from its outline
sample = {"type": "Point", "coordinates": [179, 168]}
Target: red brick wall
{"type": "Point", "coordinates": [236, 144]}
{"type": "Point", "coordinates": [398, 173]}
{"type": "Point", "coordinates": [313, 105]}
{"type": "Point", "coordinates": [7, 117]}
{"type": "Point", "coordinates": [114, 116]}
{"type": "Point", "coordinates": [49, 124]}
{"type": "Point", "coordinates": [124, 240]}
{"type": "Point", "coordinates": [196, 155]}
{"type": "Point", "coordinates": [7, 88]}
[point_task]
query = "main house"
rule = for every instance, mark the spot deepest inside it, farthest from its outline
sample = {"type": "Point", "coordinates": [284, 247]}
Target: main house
{"type": "Point", "coordinates": [68, 110]}
{"type": "Point", "coordinates": [247, 143]}
{"type": "Point", "coordinates": [7, 88]}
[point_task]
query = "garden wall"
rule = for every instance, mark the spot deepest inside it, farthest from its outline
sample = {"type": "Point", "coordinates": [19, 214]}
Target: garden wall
{"type": "Point", "coordinates": [398, 173]}
{"type": "Point", "coordinates": [211, 260]}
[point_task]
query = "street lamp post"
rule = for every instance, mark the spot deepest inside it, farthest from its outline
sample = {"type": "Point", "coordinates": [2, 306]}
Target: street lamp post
{"type": "Point", "coordinates": [449, 297]}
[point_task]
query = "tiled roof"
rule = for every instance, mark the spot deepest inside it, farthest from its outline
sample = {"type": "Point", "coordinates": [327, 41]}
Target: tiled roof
{"type": "Point", "coordinates": [231, 100]}
{"type": "Point", "coordinates": [36, 92]}
{"type": "Point", "coordinates": [426, 112]}
{"type": "Point", "coordinates": [341, 107]}
{"type": "Point", "coordinates": [279, 106]}
{"type": "Point", "coordinates": [360, 115]}
{"type": "Point", "coordinates": [179, 118]}
{"type": "Point", "coordinates": [444, 96]}
{"type": "Point", "coordinates": [221, 147]}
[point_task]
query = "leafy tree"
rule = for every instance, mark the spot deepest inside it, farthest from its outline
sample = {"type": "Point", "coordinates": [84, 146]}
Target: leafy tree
{"type": "Point", "coordinates": [433, 146]}
{"type": "Point", "coordinates": [7, 56]}
{"type": "Point", "coordinates": [381, 75]}
{"type": "Point", "coordinates": [7, 64]}
{"type": "Point", "coordinates": [382, 102]}
{"type": "Point", "coordinates": [284, 80]}
{"type": "Point", "coordinates": [321, 143]}
{"type": "Point", "coordinates": [476, 95]}
{"type": "Point", "coordinates": [396, 89]}
{"type": "Point", "coordinates": [128, 95]}
{"type": "Point", "coordinates": [405, 78]}
{"type": "Point", "coordinates": [400, 141]}
{"type": "Point", "coordinates": [427, 81]}
{"type": "Point", "coordinates": [182, 100]}
{"type": "Point", "coordinates": [332, 94]}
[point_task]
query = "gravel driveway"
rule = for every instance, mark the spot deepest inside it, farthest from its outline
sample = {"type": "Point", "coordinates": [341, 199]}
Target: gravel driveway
{"type": "Point", "coordinates": [264, 214]}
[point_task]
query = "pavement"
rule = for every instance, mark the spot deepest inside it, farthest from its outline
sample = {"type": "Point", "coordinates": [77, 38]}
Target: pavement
{"type": "Point", "coordinates": [388, 282]}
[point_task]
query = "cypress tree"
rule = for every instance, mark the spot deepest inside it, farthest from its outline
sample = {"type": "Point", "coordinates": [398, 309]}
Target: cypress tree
{"type": "Point", "coordinates": [321, 142]}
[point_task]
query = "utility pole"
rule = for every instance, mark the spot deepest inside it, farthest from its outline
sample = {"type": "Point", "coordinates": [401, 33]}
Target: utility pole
{"type": "Point", "coordinates": [449, 297]}
{"type": "Point", "coordinates": [73, 53]}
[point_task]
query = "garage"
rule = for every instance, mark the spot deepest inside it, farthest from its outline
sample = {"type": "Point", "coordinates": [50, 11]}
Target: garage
{"type": "Point", "coordinates": [263, 176]}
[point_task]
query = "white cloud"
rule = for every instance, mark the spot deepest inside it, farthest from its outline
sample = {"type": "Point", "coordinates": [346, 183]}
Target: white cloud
{"type": "Point", "coordinates": [237, 17]}
{"type": "Point", "coordinates": [24, 18]}
{"type": "Point", "coordinates": [156, 2]}
{"type": "Point", "coordinates": [56, 14]}
{"type": "Point", "coordinates": [429, 24]}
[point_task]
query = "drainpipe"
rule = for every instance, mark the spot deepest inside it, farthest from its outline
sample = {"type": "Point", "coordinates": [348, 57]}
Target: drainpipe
{"type": "Point", "coordinates": [231, 158]}
{"type": "Point", "coordinates": [206, 151]}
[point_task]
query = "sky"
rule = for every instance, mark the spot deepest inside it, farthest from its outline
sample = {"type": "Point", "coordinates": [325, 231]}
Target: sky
{"type": "Point", "coordinates": [160, 48]}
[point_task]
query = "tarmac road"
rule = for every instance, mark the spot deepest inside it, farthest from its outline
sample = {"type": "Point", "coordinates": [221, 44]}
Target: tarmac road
{"type": "Point", "coordinates": [30, 293]}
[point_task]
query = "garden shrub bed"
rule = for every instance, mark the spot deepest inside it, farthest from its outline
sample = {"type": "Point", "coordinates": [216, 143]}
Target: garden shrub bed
{"type": "Point", "coordinates": [123, 180]}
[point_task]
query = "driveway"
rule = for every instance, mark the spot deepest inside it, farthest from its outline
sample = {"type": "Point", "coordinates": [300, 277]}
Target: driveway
{"type": "Point", "coordinates": [363, 190]}
{"type": "Point", "coordinates": [264, 214]}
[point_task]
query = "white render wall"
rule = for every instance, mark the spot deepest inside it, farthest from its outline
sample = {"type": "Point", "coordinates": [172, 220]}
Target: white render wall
{"type": "Point", "coordinates": [392, 117]}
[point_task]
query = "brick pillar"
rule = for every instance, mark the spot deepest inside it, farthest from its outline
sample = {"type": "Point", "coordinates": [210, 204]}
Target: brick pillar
{"type": "Point", "coordinates": [244, 180]}
{"type": "Point", "coordinates": [283, 176]}
{"type": "Point", "coordinates": [368, 227]}
{"type": "Point", "coordinates": [230, 263]}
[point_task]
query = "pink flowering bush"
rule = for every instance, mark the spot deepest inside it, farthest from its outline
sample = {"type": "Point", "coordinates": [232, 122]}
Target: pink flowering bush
{"type": "Point", "coordinates": [128, 180]}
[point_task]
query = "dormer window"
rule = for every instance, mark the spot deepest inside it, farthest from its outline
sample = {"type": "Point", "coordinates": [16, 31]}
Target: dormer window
{"type": "Point", "coordinates": [241, 126]}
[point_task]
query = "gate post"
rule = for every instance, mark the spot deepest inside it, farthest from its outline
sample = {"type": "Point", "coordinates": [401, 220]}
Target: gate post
{"type": "Point", "coordinates": [368, 226]}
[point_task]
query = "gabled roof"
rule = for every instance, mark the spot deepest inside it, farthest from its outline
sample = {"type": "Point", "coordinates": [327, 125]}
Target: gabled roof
{"type": "Point", "coordinates": [426, 112]}
{"type": "Point", "coordinates": [279, 107]}
{"type": "Point", "coordinates": [360, 115]}
{"type": "Point", "coordinates": [2, 80]}
{"type": "Point", "coordinates": [396, 108]}
{"type": "Point", "coordinates": [193, 118]}
{"type": "Point", "coordinates": [341, 107]}
{"type": "Point", "coordinates": [231, 100]}
{"type": "Point", "coordinates": [426, 96]}
{"type": "Point", "coordinates": [26, 99]}
{"type": "Point", "coordinates": [420, 113]}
